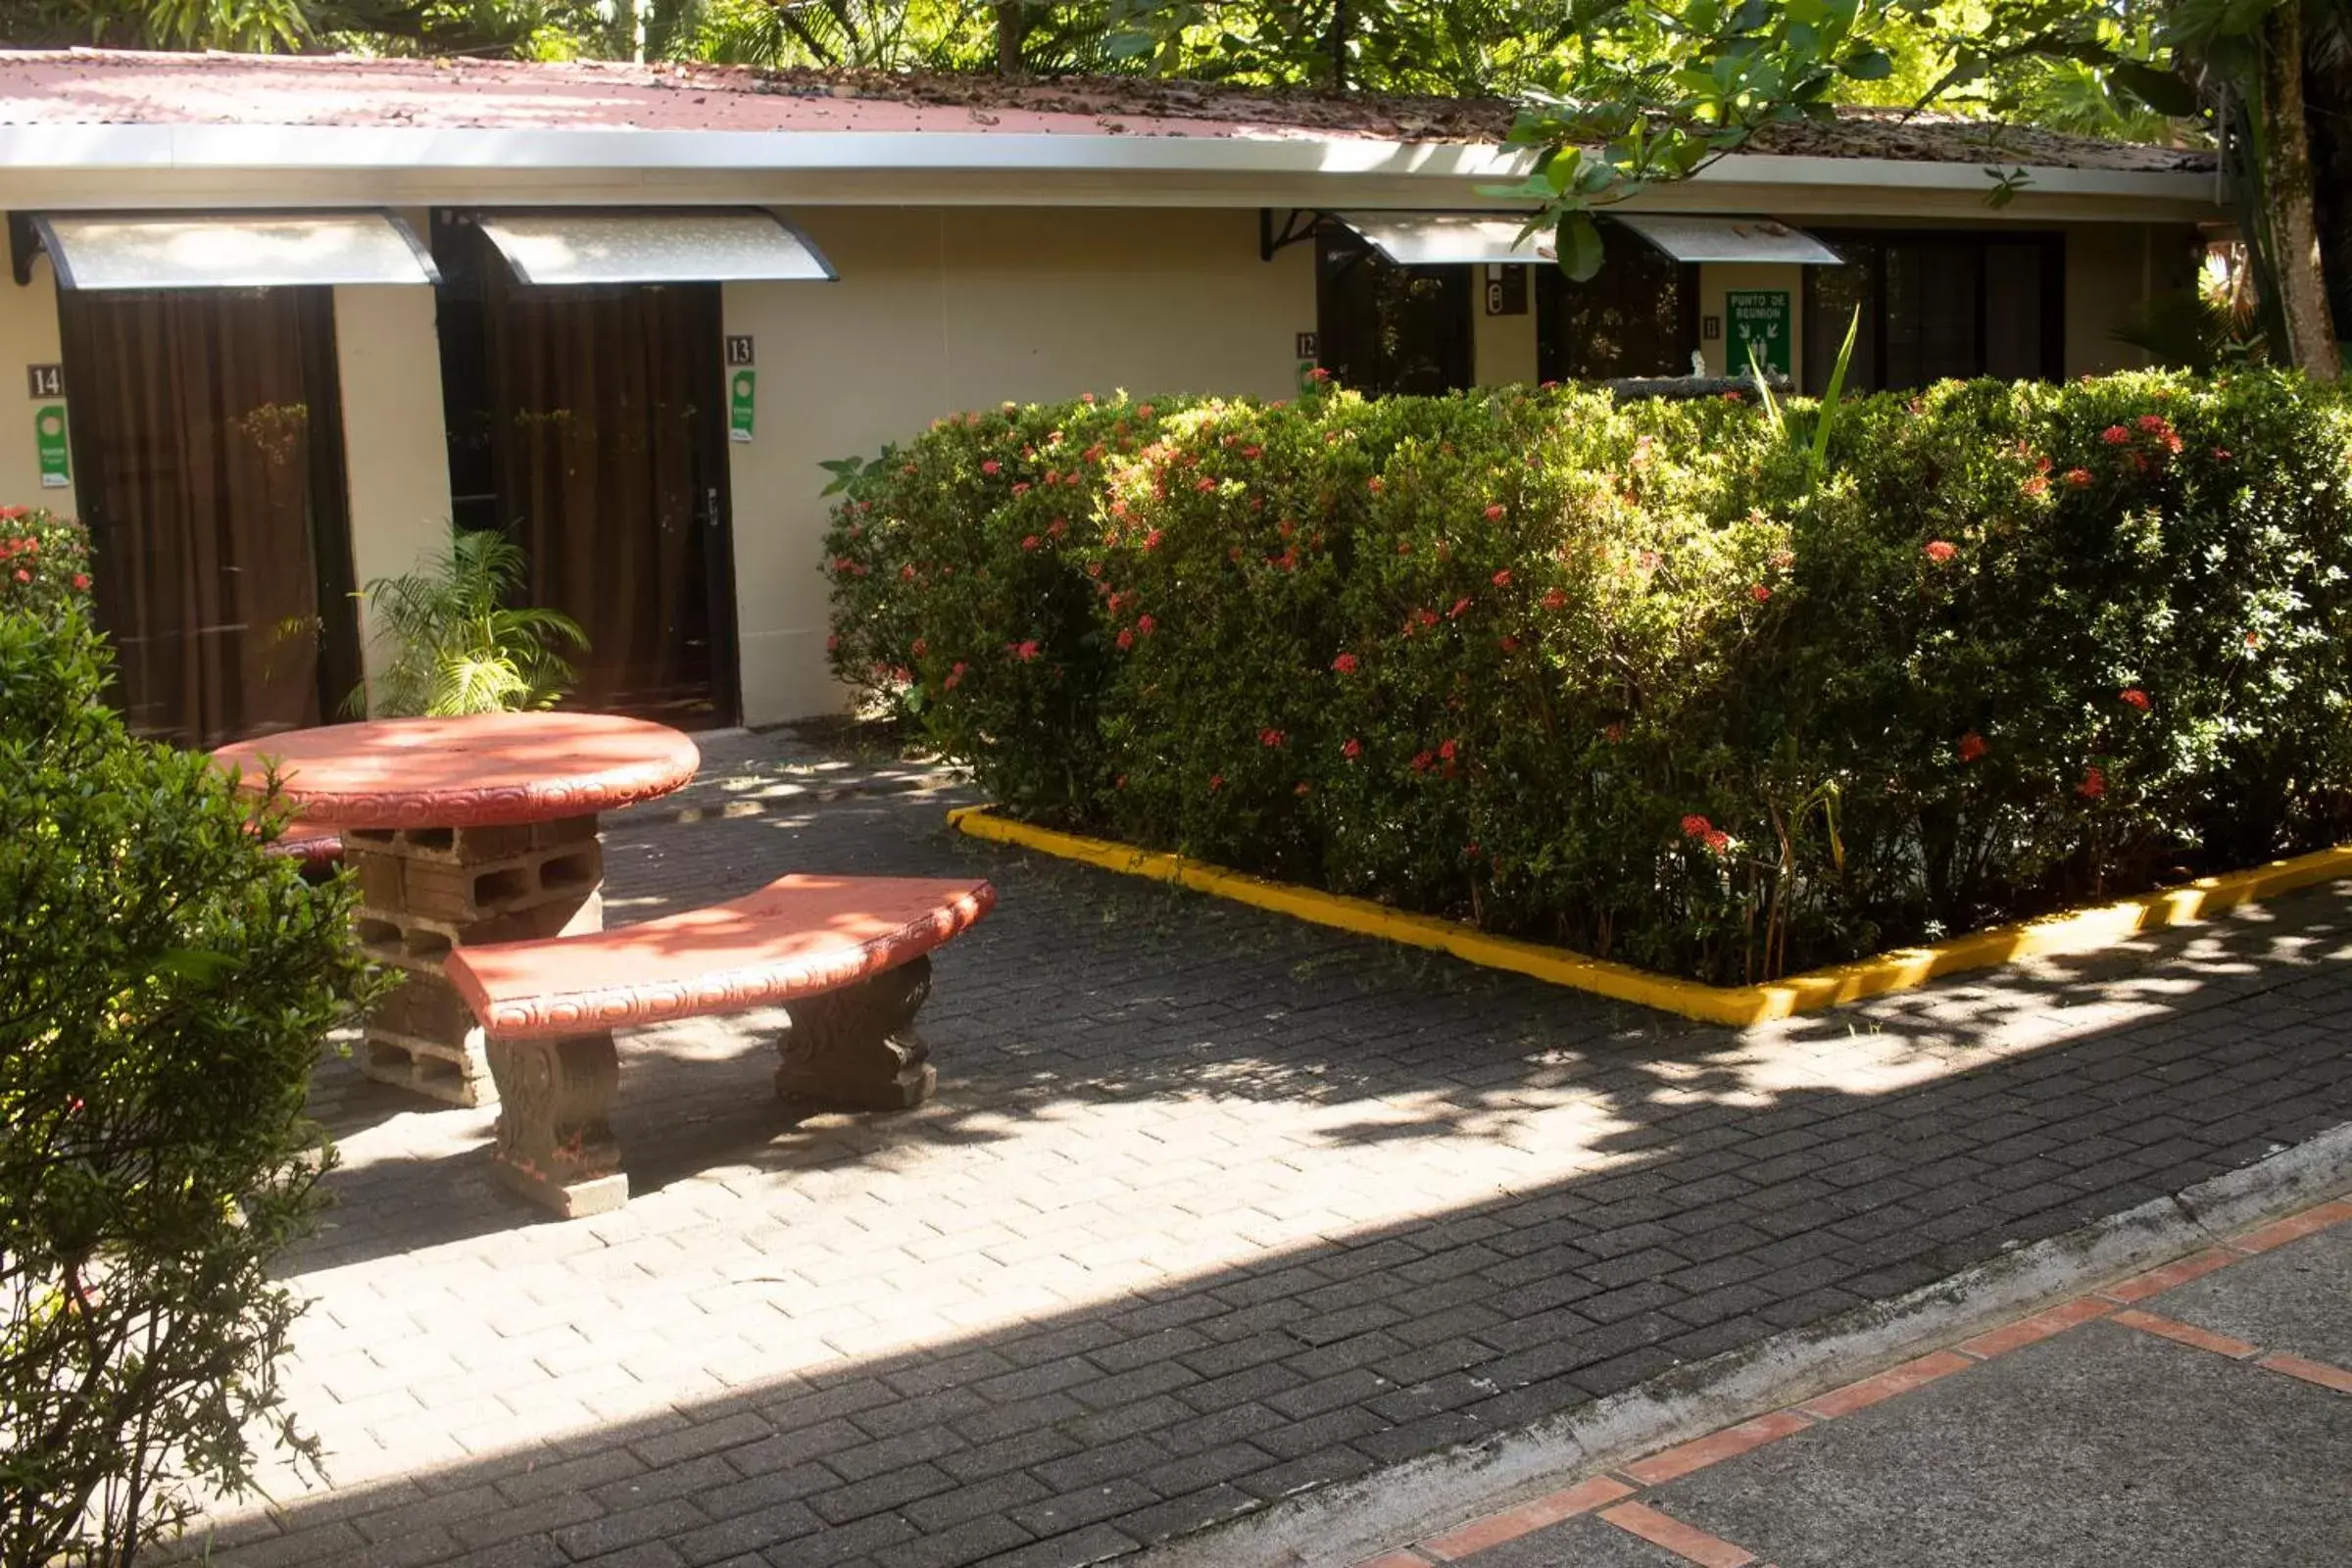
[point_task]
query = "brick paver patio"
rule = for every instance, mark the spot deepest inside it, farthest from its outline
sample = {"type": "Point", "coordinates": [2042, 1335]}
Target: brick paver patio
{"type": "Point", "coordinates": [1211, 1208]}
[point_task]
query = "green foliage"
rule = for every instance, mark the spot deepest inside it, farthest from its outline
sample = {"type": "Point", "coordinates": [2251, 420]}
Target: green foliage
{"type": "Point", "coordinates": [1639, 678]}
{"type": "Point", "coordinates": [167, 991]}
{"type": "Point", "coordinates": [44, 562]}
{"type": "Point", "coordinates": [456, 645]}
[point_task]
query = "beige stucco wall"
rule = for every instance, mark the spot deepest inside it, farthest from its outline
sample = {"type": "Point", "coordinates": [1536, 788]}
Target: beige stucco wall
{"type": "Point", "coordinates": [941, 310]}
{"type": "Point", "coordinates": [1503, 347]}
{"type": "Point", "coordinates": [27, 337]}
{"type": "Point", "coordinates": [395, 454]}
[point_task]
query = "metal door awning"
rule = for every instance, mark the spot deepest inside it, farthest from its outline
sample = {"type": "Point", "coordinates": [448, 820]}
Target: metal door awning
{"type": "Point", "coordinates": [1728, 239]}
{"type": "Point", "coordinates": [230, 250]}
{"type": "Point", "coordinates": [1447, 239]}
{"type": "Point", "coordinates": [1456, 239]}
{"type": "Point", "coordinates": [555, 248]}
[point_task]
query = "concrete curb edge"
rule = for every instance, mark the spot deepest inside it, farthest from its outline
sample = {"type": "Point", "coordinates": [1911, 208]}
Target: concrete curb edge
{"type": "Point", "coordinates": [2075, 931]}
{"type": "Point", "coordinates": [1348, 1522]}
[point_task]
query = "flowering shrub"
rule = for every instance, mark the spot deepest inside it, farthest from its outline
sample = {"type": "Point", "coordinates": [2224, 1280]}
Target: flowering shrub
{"type": "Point", "coordinates": [1620, 676]}
{"type": "Point", "coordinates": [44, 562]}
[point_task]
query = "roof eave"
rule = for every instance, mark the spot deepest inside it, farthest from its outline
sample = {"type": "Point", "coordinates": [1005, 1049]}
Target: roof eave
{"type": "Point", "coordinates": [106, 165]}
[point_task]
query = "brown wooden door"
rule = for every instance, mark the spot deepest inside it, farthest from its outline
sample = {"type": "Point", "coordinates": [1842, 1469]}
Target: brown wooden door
{"type": "Point", "coordinates": [208, 444]}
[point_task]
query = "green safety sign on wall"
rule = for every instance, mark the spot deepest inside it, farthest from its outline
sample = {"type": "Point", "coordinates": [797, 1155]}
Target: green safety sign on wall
{"type": "Point", "coordinates": [1757, 319]}
{"type": "Point", "coordinates": [740, 388]}
{"type": "Point", "coordinates": [49, 439]}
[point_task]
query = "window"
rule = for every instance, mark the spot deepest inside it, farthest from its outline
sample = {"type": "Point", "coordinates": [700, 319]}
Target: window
{"type": "Point", "coordinates": [1637, 315]}
{"type": "Point", "coordinates": [1384, 329]}
{"type": "Point", "coordinates": [1936, 304]}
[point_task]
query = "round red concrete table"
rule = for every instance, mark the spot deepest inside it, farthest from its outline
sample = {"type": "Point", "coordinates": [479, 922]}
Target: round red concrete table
{"type": "Point", "coordinates": [464, 831]}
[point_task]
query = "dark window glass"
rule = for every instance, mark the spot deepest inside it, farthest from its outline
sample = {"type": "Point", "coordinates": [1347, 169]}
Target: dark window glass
{"type": "Point", "coordinates": [1938, 305]}
{"type": "Point", "coordinates": [1833, 296]}
{"type": "Point", "coordinates": [1637, 315]}
{"type": "Point", "coordinates": [1384, 329]}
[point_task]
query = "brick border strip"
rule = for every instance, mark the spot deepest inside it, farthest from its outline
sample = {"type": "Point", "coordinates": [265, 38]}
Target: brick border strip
{"type": "Point", "coordinates": [2285, 1195]}
{"type": "Point", "coordinates": [1617, 1496]}
{"type": "Point", "coordinates": [2077, 931]}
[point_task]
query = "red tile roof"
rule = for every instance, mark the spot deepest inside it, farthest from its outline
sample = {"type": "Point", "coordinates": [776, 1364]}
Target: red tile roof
{"type": "Point", "coordinates": [87, 86]}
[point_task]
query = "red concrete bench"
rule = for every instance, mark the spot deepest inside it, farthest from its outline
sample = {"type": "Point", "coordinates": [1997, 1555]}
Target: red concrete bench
{"type": "Point", "coordinates": [314, 844]}
{"type": "Point", "coordinates": [847, 958]}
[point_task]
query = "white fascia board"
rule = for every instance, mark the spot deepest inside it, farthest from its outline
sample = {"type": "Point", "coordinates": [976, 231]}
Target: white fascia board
{"type": "Point", "coordinates": [1217, 170]}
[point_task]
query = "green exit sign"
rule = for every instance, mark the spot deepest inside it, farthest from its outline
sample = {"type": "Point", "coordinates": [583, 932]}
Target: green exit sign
{"type": "Point", "coordinates": [1758, 328]}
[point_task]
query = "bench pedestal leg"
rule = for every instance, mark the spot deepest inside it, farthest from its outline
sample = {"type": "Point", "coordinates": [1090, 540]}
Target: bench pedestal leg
{"type": "Point", "coordinates": [856, 1048]}
{"type": "Point", "coordinates": [555, 1145]}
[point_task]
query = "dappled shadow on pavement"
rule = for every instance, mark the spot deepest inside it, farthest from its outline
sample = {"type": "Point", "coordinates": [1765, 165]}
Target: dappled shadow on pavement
{"type": "Point", "coordinates": [1211, 1208]}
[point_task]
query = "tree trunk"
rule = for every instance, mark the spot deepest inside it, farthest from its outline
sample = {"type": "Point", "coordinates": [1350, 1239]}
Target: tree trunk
{"type": "Point", "coordinates": [2289, 213]}
{"type": "Point", "coordinates": [1008, 37]}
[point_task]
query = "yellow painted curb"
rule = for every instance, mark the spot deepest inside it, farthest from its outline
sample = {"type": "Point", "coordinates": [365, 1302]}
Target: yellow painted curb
{"type": "Point", "coordinates": [2076, 931]}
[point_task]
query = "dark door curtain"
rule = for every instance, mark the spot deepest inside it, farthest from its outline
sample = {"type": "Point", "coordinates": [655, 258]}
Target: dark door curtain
{"type": "Point", "coordinates": [206, 437]}
{"type": "Point", "coordinates": [602, 425]}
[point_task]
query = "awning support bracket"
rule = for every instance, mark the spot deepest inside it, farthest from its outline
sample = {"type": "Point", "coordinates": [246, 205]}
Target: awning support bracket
{"type": "Point", "coordinates": [1297, 226]}
{"type": "Point", "coordinates": [23, 244]}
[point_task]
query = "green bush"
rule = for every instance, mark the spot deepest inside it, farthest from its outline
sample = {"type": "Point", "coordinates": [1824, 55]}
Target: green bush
{"type": "Point", "coordinates": [44, 562]}
{"type": "Point", "coordinates": [1618, 676]}
{"type": "Point", "coordinates": [166, 990]}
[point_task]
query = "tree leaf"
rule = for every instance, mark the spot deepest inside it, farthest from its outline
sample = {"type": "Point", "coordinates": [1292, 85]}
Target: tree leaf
{"type": "Point", "coordinates": [1579, 246]}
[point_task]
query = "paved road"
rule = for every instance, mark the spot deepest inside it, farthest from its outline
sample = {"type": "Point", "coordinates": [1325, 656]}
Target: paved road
{"type": "Point", "coordinates": [1213, 1209]}
{"type": "Point", "coordinates": [2197, 1417]}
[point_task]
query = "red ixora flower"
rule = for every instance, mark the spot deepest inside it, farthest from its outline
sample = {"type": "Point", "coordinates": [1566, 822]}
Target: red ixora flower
{"type": "Point", "coordinates": [1151, 540]}
{"type": "Point", "coordinates": [2080, 478]}
{"type": "Point", "coordinates": [1494, 513]}
{"type": "Point", "coordinates": [955, 677]}
{"type": "Point", "coordinates": [2035, 486]}
{"type": "Point", "coordinates": [1696, 826]}
{"type": "Point", "coordinates": [2153, 422]}
{"type": "Point", "coordinates": [1345, 663]}
{"type": "Point", "coordinates": [1718, 841]}
{"type": "Point", "coordinates": [1503, 578]}
{"type": "Point", "coordinates": [833, 643]}
{"type": "Point", "coordinates": [1271, 739]}
{"type": "Point", "coordinates": [1318, 375]}
{"type": "Point", "coordinates": [1302, 789]}
{"type": "Point", "coordinates": [1025, 651]}
{"type": "Point", "coordinates": [82, 580]}
{"type": "Point", "coordinates": [1459, 605]}
{"type": "Point", "coordinates": [1217, 782]}
{"type": "Point", "coordinates": [992, 465]}
{"type": "Point", "coordinates": [1758, 592]}
{"type": "Point", "coordinates": [1020, 487]}
{"type": "Point", "coordinates": [1031, 542]}
{"type": "Point", "coordinates": [1351, 749]}
{"type": "Point", "coordinates": [1126, 637]}
{"type": "Point", "coordinates": [2093, 785]}
{"type": "Point", "coordinates": [1940, 551]}
{"type": "Point", "coordinates": [1972, 745]}
{"type": "Point", "coordinates": [921, 647]}
{"type": "Point", "coordinates": [1612, 733]}
{"type": "Point", "coordinates": [2136, 696]}
{"type": "Point", "coordinates": [1423, 761]}
{"type": "Point", "coordinates": [2114, 435]}
{"type": "Point", "coordinates": [1553, 599]}
{"type": "Point", "coordinates": [1448, 749]}
{"type": "Point", "coordinates": [1144, 625]}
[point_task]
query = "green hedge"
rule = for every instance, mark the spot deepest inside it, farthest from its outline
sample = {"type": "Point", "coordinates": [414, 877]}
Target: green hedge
{"type": "Point", "coordinates": [1620, 676]}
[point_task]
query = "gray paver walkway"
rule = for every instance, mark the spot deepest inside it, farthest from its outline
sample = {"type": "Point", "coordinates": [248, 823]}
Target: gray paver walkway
{"type": "Point", "coordinates": [2121, 1429]}
{"type": "Point", "coordinates": [1211, 1208]}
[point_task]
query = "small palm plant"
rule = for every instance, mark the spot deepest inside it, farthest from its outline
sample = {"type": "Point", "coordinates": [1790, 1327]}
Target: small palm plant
{"type": "Point", "coordinates": [456, 645]}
